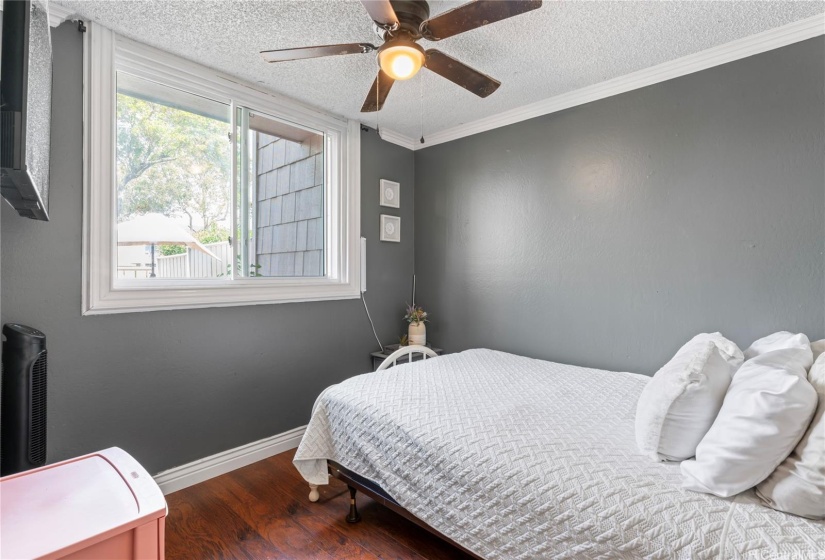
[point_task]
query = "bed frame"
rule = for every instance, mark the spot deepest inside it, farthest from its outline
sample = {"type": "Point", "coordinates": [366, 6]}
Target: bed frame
{"type": "Point", "coordinates": [356, 482]}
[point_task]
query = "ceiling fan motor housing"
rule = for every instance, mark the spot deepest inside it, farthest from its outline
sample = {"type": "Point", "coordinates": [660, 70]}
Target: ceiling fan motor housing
{"type": "Point", "coordinates": [410, 14]}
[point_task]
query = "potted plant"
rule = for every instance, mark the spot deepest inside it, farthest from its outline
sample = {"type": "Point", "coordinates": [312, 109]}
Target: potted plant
{"type": "Point", "coordinates": [417, 331]}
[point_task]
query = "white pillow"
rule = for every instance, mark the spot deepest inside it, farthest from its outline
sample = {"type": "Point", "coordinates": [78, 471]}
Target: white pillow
{"type": "Point", "coordinates": [767, 409]}
{"type": "Point", "coordinates": [777, 341]}
{"type": "Point", "coordinates": [818, 348]}
{"type": "Point", "coordinates": [678, 406]}
{"type": "Point", "coordinates": [798, 485]}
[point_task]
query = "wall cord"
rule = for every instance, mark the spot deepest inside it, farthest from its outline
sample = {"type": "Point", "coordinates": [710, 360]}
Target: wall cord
{"type": "Point", "coordinates": [380, 346]}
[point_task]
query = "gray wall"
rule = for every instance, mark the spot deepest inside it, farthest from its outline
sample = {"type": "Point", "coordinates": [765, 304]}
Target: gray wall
{"type": "Point", "coordinates": [174, 386]}
{"type": "Point", "coordinates": [608, 234]}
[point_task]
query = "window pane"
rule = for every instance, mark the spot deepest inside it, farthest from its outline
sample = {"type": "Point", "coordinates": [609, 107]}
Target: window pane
{"type": "Point", "coordinates": [286, 198]}
{"type": "Point", "coordinates": [173, 182]}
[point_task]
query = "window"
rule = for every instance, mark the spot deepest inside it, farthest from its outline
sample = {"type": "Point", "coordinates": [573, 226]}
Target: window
{"type": "Point", "coordinates": [173, 162]}
{"type": "Point", "coordinates": [201, 191]}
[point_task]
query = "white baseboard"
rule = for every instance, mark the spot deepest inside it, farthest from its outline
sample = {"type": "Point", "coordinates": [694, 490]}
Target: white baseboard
{"type": "Point", "coordinates": [180, 477]}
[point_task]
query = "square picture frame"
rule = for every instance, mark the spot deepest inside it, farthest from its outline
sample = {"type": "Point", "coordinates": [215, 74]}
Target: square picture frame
{"type": "Point", "coordinates": [390, 194]}
{"type": "Point", "coordinates": [390, 228]}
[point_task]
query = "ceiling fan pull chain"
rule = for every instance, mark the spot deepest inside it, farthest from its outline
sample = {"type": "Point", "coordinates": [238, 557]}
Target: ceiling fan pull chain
{"type": "Point", "coordinates": [377, 105]}
{"type": "Point", "coordinates": [421, 104]}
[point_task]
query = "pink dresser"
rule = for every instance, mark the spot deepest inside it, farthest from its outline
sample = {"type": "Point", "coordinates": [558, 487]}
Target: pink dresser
{"type": "Point", "coordinates": [99, 506]}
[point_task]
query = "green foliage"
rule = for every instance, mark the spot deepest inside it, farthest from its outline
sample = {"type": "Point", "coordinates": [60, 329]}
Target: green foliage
{"type": "Point", "coordinates": [169, 250]}
{"type": "Point", "coordinates": [172, 162]}
{"type": "Point", "coordinates": [213, 234]}
{"type": "Point", "coordinates": [254, 269]}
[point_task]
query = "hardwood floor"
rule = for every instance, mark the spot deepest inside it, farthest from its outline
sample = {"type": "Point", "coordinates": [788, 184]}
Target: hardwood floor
{"type": "Point", "coordinates": [262, 511]}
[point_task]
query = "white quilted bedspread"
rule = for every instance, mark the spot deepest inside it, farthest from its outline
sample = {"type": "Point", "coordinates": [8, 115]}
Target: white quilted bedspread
{"type": "Point", "coordinates": [519, 458]}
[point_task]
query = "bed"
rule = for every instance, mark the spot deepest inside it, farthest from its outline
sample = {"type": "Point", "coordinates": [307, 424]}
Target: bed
{"type": "Point", "coordinates": [514, 458]}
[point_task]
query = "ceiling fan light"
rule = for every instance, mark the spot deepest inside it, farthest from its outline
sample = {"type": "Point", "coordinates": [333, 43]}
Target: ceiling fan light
{"type": "Point", "coordinates": [401, 61]}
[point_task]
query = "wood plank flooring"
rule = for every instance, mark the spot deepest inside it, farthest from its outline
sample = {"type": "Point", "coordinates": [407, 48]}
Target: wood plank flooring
{"type": "Point", "coordinates": [262, 511]}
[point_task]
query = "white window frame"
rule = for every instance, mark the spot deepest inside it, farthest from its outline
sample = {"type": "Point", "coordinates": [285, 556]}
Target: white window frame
{"type": "Point", "coordinates": [104, 54]}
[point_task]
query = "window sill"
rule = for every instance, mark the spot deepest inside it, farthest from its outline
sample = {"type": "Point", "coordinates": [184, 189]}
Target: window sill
{"type": "Point", "coordinates": [216, 295]}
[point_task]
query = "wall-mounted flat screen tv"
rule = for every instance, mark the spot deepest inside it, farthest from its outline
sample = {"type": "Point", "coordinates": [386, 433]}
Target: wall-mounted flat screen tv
{"type": "Point", "coordinates": [26, 104]}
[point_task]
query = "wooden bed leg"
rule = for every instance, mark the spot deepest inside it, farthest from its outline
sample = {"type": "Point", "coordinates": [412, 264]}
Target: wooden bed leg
{"type": "Point", "coordinates": [354, 516]}
{"type": "Point", "coordinates": [314, 496]}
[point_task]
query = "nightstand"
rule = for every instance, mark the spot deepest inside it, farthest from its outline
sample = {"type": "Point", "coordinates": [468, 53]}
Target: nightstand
{"type": "Point", "coordinates": [378, 357]}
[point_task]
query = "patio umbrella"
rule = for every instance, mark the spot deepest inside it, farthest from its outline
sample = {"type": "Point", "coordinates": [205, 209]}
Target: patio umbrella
{"type": "Point", "coordinates": [157, 229]}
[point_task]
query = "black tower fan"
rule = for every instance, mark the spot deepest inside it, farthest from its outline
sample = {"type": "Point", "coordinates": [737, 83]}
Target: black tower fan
{"type": "Point", "coordinates": [23, 418]}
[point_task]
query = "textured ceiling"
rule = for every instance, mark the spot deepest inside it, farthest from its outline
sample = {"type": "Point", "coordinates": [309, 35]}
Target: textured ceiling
{"type": "Point", "coordinates": [561, 47]}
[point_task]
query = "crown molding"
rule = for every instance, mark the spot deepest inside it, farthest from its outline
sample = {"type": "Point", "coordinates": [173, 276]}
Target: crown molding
{"type": "Point", "coordinates": [58, 14]}
{"type": "Point", "coordinates": [722, 54]}
{"type": "Point", "coordinates": [396, 138]}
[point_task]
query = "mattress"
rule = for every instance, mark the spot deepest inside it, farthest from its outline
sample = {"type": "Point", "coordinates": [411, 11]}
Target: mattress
{"type": "Point", "coordinates": [519, 458]}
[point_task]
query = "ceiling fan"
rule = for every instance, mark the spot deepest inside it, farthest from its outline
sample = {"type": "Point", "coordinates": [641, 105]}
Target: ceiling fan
{"type": "Point", "coordinates": [401, 24]}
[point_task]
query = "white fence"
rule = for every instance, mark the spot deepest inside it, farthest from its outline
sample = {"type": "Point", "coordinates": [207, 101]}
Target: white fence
{"type": "Point", "coordinates": [136, 271]}
{"type": "Point", "coordinates": [196, 264]}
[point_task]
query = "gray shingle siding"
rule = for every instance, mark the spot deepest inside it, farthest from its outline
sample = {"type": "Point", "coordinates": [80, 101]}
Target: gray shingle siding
{"type": "Point", "coordinates": [290, 198]}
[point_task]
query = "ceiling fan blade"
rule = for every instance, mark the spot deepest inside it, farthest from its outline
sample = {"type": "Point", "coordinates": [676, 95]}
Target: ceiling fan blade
{"type": "Point", "coordinates": [473, 15]}
{"type": "Point", "coordinates": [381, 12]}
{"type": "Point", "coordinates": [378, 93]}
{"type": "Point", "coordinates": [283, 55]}
{"type": "Point", "coordinates": [459, 73]}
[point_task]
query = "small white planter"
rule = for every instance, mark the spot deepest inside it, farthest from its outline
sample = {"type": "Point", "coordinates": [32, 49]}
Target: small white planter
{"type": "Point", "coordinates": [417, 334]}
